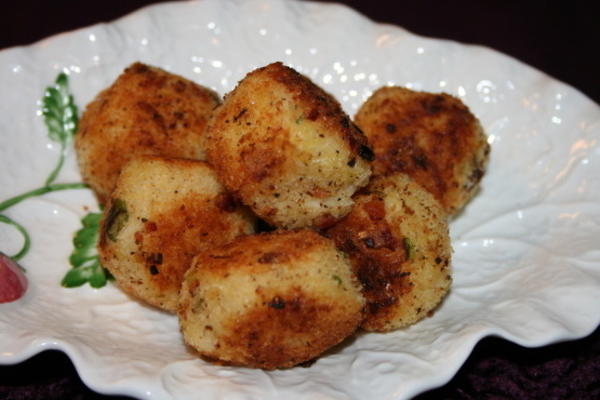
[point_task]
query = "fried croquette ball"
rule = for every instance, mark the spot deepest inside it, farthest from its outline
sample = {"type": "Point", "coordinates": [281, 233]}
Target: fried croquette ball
{"type": "Point", "coordinates": [434, 138]}
{"type": "Point", "coordinates": [270, 301]}
{"type": "Point", "coordinates": [145, 111]}
{"type": "Point", "coordinates": [286, 149]}
{"type": "Point", "coordinates": [161, 213]}
{"type": "Point", "coordinates": [397, 238]}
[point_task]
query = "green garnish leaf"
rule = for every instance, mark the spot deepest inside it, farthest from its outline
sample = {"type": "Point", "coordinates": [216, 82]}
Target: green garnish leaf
{"type": "Point", "coordinates": [409, 247]}
{"type": "Point", "coordinates": [60, 116]}
{"type": "Point", "coordinates": [92, 273]}
{"type": "Point", "coordinates": [76, 277]}
{"type": "Point", "coordinates": [60, 111]}
{"type": "Point", "coordinates": [84, 258]}
{"type": "Point", "coordinates": [85, 240]}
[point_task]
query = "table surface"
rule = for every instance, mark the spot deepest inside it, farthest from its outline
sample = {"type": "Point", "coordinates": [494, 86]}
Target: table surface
{"type": "Point", "coordinates": [558, 38]}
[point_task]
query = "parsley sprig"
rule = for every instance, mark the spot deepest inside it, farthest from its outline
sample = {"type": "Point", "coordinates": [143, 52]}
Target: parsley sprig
{"type": "Point", "coordinates": [60, 116]}
{"type": "Point", "coordinates": [61, 119]}
{"type": "Point", "coordinates": [84, 258]}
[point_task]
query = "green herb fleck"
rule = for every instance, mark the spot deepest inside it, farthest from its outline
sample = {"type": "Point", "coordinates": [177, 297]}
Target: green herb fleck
{"type": "Point", "coordinates": [84, 258]}
{"type": "Point", "coordinates": [116, 218]}
{"type": "Point", "coordinates": [299, 120]}
{"type": "Point", "coordinates": [409, 247]}
{"type": "Point", "coordinates": [337, 279]}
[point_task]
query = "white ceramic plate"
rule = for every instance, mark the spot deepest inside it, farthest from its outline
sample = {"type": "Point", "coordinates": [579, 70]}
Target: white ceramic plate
{"type": "Point", "coordinates": [527, 255]}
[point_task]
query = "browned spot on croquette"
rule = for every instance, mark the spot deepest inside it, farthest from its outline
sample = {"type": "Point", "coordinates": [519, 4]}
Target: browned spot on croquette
{"type": "Point", "coordinates": [434, 138]}
{"type": "Point", "coordinates": [145, 111]}
{"type": "Point", "coordinates": [397, 238]}
{"type": "Point", "coordinates": [176, 208]}
{"type": "Point", "coordinates": [285, 148]}
{"type": "Point", "coordinates": [283, 297]}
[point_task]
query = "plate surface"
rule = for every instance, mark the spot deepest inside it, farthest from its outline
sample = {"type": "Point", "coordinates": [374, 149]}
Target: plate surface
{"type": "Point", "coordinates": [526, 259]}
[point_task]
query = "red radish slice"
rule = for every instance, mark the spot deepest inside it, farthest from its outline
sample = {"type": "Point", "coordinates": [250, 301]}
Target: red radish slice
{"type": "Point", "coordinates": [13, 282]}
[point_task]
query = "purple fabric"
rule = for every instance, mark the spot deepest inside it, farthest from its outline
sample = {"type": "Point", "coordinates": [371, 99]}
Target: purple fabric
{"type": "Point", "coordinates": [497, 369]}
{"type": "Point", "coordinates": [47, 376]}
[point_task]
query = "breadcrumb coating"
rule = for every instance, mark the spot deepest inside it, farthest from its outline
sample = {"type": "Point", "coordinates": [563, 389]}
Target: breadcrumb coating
{"type": "Point", "coordinates": [434, 138]}
{"type": "Point", "coordinates": [397, 238]}
{"type": "Point", "coordinates": [146, 111]}
{"type": "Point", "coordinates": [287, 150]}
{"type": "Point", "coordinates": [270, 301]}
{"type": "Point", "coordinates": [160, 215]}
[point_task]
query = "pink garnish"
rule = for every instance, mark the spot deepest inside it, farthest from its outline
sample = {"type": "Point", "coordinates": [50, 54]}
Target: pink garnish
{"type": "Point", "coordinates": [13, 282]}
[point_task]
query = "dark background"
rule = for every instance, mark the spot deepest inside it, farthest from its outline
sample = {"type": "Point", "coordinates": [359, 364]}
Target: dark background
{"type": "Point", "coordinates": [560, 38]}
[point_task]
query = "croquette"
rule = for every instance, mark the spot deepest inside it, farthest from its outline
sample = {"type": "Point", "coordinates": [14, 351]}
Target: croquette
{"type": "Point", "coordinates": [146, 111]}
{"type": "Point", "coordinates": [434, 138]}
{"type": "Point", "coordinates": [161, 214]}
{"type": "Point", "coordinates": [286, 148]}
{"type": "Point", "coordinates": [397, 238]}
{"type": "Point", "coordinates": [271, 300]}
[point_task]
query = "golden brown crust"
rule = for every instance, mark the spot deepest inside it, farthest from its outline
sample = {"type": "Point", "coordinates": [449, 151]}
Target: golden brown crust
{"type": "Point", "coordinates": [397, 238]}
{"type": "Point", "coordinates": [320, 105]}
{"type": "Point", "coordinates": [272, 300]}
{"type": "Point", "coordinates": [145, 111]}
{"type": "Point", "coordinates": [162, 212]}
{"type": "Point", "coordinates": [434, 138]}
{"type": "Point", "coordinates": [286, 148]}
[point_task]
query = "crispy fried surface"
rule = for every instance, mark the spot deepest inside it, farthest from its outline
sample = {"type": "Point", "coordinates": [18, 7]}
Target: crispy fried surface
{"type": "Point", "coordinates": [434, 138]}
{"type": "Point", "coordinates": [270, 301]}
{"type": "Point", "coordinates": [397, 238]}
{"type": "Point", "coordinates": [145, 111]}
{"type": "Point", "coordinates": [162, 212]}
{"type": "Point", "coordinates": [285, 147]}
